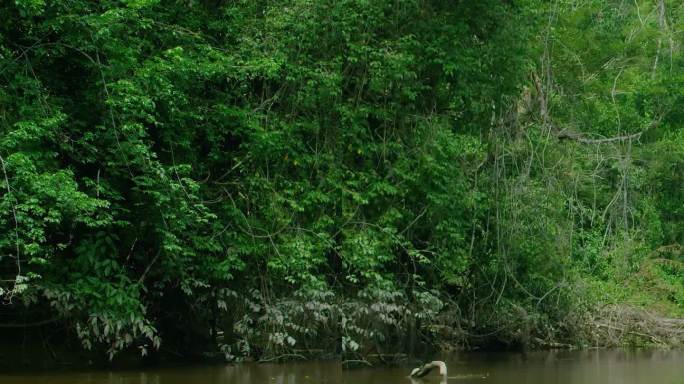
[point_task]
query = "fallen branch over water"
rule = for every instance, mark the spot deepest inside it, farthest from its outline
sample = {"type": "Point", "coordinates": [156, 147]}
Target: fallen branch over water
{"type": "Point", "coordinates": [283, 356]}
{"type": "Point", "coordinates": [553, 344]}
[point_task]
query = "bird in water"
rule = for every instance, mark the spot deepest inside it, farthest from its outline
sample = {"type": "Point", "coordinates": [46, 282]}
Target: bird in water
{"type": "Point", "coordinates": [427, 368]}
{"type": "Point", "coordinates": [424, 370]}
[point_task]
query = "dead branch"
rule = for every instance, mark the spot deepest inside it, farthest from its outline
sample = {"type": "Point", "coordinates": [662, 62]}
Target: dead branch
{"type": "Point", "coordinates": [578, 137]}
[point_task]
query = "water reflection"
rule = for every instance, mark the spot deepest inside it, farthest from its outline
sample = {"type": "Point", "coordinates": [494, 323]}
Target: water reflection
{"type": "Point", "coordinates": [298, 373]}
{"type": "Point", "coordinates": [585, 367]}
{"type": "Point", "coordinates": [562, 367]}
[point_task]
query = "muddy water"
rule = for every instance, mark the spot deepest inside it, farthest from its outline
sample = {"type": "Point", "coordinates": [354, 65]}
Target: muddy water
{"type": "Point", "coordinates": [588, 367]}
{"type": "Point", "coordinates": [562, 367]}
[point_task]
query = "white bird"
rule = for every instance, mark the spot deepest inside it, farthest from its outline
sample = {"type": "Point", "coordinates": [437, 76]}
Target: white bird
{"type": "Point", "coordinates": [427, 368]}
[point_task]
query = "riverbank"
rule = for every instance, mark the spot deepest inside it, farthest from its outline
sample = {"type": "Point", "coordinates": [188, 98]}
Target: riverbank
{"type": "Point", "coordinates": [50, 347]}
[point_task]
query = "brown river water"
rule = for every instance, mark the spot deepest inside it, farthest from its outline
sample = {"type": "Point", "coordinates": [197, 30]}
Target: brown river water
{"type": "Point", "coordinates": [574, 367]}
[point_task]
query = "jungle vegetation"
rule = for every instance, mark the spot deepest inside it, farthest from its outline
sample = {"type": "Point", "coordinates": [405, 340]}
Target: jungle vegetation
{"type": "Point", "coordinates": [275, 178]}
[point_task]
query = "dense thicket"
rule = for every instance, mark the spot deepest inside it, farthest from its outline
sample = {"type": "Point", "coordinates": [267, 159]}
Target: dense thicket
{"type": "Point", "coordinates": [280, 176]}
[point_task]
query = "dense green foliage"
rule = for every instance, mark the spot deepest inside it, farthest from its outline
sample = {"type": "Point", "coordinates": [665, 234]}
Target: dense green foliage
{"type": "Point", "coordinates": [271, 177]}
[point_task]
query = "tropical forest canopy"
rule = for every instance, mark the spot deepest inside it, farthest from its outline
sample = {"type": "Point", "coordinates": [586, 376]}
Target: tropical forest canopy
{"type": "Point", "coordinates": [264, 177]}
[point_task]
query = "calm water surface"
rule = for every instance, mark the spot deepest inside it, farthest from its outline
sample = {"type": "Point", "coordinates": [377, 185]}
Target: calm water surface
{"type": "Point", "coordinates": [587, 367]}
